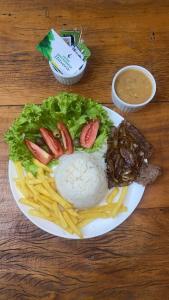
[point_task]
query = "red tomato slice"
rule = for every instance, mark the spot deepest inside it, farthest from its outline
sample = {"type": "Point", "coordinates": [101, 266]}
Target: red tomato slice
{"type": "Point", "coordinates": [39, 153]}
{"type": "Point", "coordinates": [66, 138]}
{"type": "Point", "coordinates": [52, 142]}
{"type": "Point", "coordinates": [89, 133]}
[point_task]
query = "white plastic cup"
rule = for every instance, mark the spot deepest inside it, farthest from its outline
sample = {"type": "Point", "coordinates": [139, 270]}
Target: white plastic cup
{"type": "Point", "coordinates": [127, 107]}
{"type": "Point", "coordinates": [67, 79]}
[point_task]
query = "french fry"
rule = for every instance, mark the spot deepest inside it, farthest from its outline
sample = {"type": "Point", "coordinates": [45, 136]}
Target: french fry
{"type": "Point", "coordinates": [44, 211]}
{"type": "Point", "coordinates": [23, 189]}
{"type": "Point", "coordinates": [56, 196]}
{"type": "Point", "coordinates": [44, 203]}
{"type": "Point", "coordinates": [62, 201]}
{"type": "Point", "coordinates": [72, 212]}
{"type": "Point", "coordinates": [94, 215]}
{"type": "Point", "coordinates": [59, 215]}
{"type": "Point", "coordinates": [34, 181]}
{"type": "Point", "coordinates": [52, 184]}
{"type": "Point", "coordinates": [40, 173]}
{"type": "Point", "coordinates": [29, 202]}
{"type": "Point", "coordinates": [49, 179]}
{"type": "Point", "coordinates": [42, 166]}
{"type": "Point", "coordinates": [83, 223]}
{"type": "Point", "coordinates": [69, 221]}
{"type": "Point", "coordinates": [122, 208]}
{"type": "Point", "coordinates": [112, 195]}
{"type": "Point", "coordinates": [98, 209]}
{"type": "Point", "coordinates": [46, 199]}
{"type": "Point", "coordinates": [30, 175]}
{"type": "Point", "coordinates": [67, 229]}
{"type": "Point", "coordinates": [39, 188]}
{"type": "Point", "coordinates": [19, 181]}
{"type": "Point", "coordinates": [19, 169]}
{"type": "Point", "coordinates": [55, 220]}
{"type": "Point", "coordinates": [33, 191]}
{"type": "Point", "coordinates": [36, 213]}
{"type": "Point", "coordinates": [120, 201]}
{"type": "Point", "coordinates": [55, 209]}
{"type": "Point", "coordinates": [74, 219]}
{"type": "Point", "coordinates": [93, 210]}
{"type": "Point", "coordinates": [62, 219]}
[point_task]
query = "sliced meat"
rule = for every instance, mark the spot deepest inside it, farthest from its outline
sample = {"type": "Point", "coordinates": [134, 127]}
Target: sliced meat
{"type": "Point", "coordinates": [148, 174]}
{"type": "Point", "coordinates": [126, 154]}
{"type": "Point", "coordinates": [139, 138]}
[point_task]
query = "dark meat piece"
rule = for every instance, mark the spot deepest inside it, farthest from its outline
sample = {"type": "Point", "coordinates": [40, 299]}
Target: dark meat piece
{"type": "Point", "coordinates": [127, 152]}
{"type": "Point", "coordinates": [128, 156]}
{"type": "Point", "coordinates": [148, 174]}
{"type": "Point", "coordinates": [139, 138]}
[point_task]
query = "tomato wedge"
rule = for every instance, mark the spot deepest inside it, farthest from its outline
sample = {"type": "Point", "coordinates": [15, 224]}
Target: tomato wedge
{"type": "Point", "coordinates": [66, 138]}
{"type": "Point", "coordinates": [38, 152]}
{"type": "Point", "coordinates": [52, 142]}
{"type": "Point", "coordinates": [89, 133]}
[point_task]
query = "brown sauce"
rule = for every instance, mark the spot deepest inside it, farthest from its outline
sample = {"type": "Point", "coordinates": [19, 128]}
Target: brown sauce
{"type": "Point", "coordinates": [133, 87]}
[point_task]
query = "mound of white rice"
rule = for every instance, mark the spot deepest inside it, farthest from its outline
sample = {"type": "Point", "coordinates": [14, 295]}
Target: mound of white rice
{"type": "Point", "coordinates": [80, 178]}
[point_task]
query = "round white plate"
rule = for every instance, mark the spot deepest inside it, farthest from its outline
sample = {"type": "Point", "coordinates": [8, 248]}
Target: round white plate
{"type": "Point", "coordinates": [98, 226]}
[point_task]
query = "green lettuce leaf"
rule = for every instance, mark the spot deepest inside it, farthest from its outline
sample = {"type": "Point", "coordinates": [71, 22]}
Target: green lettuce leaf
{"type": "Point", "coordinates": [74, 110]}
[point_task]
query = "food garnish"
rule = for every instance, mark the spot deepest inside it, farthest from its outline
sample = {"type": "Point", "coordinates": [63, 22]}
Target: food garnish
{"type": "Point", "coordinates": [66, 138]}
{"type": "Point", "coordinates": [128, 151]}
{"type": "Point", "coordinates": [52, 142]}
{"type": "Point", "coordinates": [89, 133]}
{"type": "Point", "coordinates": [38, 152]}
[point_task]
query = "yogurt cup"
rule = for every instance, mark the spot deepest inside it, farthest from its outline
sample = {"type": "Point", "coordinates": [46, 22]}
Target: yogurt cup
{"type": "Point", "coordinates": [127, 107]}
{"type": "Point", "coordinates": [67, 79]}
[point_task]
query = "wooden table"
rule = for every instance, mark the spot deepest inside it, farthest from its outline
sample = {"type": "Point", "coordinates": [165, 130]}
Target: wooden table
{"type": "Point", "coordinates": [131, 262]}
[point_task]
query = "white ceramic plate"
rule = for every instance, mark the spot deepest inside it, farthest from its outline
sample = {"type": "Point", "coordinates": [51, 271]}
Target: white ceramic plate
{"type": "Point", "coordinates": [97, 227]}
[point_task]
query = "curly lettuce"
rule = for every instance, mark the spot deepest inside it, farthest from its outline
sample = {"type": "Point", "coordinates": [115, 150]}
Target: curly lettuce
{"type": "Point", "coordinates": [74, 110]}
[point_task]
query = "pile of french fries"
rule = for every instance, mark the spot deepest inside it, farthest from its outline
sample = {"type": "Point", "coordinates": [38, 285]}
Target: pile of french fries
{"type": "Point", "coordinates": [40, 194]}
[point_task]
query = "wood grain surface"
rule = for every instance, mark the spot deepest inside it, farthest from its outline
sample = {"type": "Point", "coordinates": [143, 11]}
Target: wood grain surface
{"type": "Point", "coordinates": [131, 262]}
